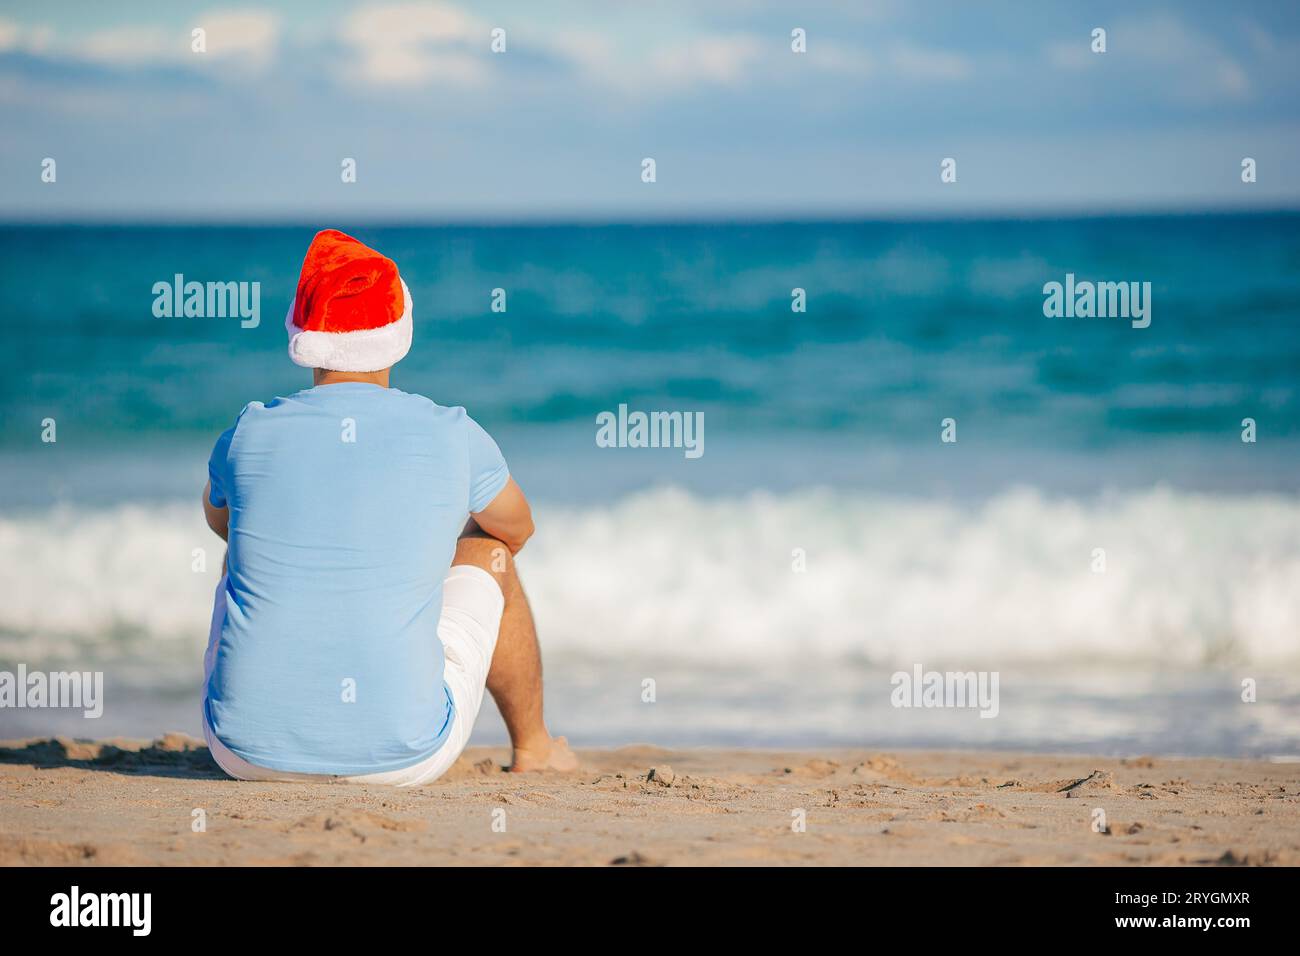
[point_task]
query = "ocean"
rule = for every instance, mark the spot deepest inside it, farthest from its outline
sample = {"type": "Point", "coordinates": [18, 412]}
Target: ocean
{"type": "Point", "coordinates": [1098, 533]}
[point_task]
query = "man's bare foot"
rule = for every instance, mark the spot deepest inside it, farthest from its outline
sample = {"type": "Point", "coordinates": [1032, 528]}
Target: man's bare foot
{"type": "Point", "coordinates": [554, 755]}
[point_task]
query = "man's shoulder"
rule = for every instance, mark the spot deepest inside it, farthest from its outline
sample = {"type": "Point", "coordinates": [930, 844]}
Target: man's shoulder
{"type": "Point", "coordinates": [450, 413]}
{"type": "Point", "coordinates": [391, 400]}
{"type": "Point", "coordinates": [249, 412]}
{"type": "Point", "coordinates": [252, 408]}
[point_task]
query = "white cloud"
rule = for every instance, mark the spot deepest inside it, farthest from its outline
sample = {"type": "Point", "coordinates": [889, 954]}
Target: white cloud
{"type": "Point", "coordinates": [623, 60]}
{"type": "Point", "coordinates": [412, 44]}
{"type": "Point", "coordinates": [723, 60]}
{"type": "Point", "coordinates": [1191, 63]}
{"type": "Point", "coordinates": [1071, 56]}
{"type": "Point", "coordinates": [39, 40]}
{"type": "Point", "coordinates": [1263, 41]}
{"type": "Point", "coordinates": [590, 51]}
{"type": "Point", "coordinates": [250, 36]}
{"type": "Point", "coordinates": [832, 57]}
{"type": "Point", "coordinates": [131, 46]}
{"type": "Point", "coordinates": [14, 37]}
{"type": "Point", "coordinates": [923, 63]}
{"type": "Point", "coordinates": [8, 35]}
{"type": "Point", "coordinates": [1232, 78]}
{"type": "Point", "coordinates": [903, 61]}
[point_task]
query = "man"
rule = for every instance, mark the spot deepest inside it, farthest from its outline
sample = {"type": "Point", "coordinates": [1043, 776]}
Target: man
{"type": "Point", "coordinates": [370, 592]}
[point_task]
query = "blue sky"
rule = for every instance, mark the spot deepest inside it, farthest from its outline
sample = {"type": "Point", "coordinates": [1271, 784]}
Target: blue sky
{"type": "Point", "coordinates": [141, 127]}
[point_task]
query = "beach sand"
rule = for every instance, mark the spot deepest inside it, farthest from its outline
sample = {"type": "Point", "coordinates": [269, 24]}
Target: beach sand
{"type": "Point", "coordinates": [131, 803]}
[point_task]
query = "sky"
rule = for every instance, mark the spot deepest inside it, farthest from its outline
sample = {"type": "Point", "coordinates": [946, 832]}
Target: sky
{"type": "Point", "coordinates": [257, 126]}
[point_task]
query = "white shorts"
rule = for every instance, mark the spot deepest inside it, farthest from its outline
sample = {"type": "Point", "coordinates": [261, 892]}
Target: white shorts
{"type": "Point", "coordinates": [472, 603]}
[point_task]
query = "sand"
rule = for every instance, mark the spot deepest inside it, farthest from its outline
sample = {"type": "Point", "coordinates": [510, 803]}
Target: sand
{"type": "Point", "coordinates": [130, 803]}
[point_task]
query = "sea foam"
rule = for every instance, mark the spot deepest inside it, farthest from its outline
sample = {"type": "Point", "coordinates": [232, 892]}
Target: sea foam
{"type": "Point", "coordinates": [1189, 580]}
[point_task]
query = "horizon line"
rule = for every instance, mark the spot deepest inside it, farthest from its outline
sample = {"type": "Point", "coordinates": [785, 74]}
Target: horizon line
{"type": "Point", "coordinates": [385, 218]}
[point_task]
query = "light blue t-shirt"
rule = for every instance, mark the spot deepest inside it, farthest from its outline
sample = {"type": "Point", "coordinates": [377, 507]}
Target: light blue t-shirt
{"type": "Point", "coordinates": [346, 501]}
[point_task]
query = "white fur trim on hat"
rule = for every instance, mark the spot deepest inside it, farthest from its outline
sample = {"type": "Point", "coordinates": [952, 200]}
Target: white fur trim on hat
{"type": "Point", "coordinates": [367, 350]}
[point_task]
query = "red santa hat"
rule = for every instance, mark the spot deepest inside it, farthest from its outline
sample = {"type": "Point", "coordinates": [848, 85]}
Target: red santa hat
{"type": "Point", "coordinates": [352, 311]}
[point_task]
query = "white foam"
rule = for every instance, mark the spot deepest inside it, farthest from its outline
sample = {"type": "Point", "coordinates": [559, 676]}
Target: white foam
{"type": "Point", "coordinates": [1190, 579]}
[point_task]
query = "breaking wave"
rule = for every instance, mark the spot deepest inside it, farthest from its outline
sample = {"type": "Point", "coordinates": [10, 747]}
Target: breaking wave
{"type": "Point", "coordinates": [1189, 580]}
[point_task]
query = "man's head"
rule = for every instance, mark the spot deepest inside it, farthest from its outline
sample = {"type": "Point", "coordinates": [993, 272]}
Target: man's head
{"type": "Point", "coordinates": [351, 312]}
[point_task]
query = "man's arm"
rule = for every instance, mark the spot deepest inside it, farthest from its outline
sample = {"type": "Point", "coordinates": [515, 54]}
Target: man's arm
{"type": "Point", "coordinates": [508, 518]}
{"type": "Point", "coordinates": [218, 518]}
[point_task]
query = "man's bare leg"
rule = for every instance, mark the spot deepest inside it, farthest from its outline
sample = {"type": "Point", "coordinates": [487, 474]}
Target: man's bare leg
{"type": "Point", "coordinates": [515, 677]}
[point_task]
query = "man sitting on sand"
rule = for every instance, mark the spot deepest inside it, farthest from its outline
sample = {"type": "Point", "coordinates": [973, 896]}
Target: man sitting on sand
{"type": "Point", "coordinates": [361, 614]}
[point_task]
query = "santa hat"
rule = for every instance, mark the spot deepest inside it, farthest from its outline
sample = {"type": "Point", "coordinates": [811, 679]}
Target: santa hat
{"type": "Point", "coordinates": [352, 311]}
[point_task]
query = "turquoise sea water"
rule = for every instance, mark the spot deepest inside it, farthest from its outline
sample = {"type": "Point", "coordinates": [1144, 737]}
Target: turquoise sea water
{"type": "Point", "coordinates": [905, 322]}
{"type": "Point", "coordinates": [822, 434]}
